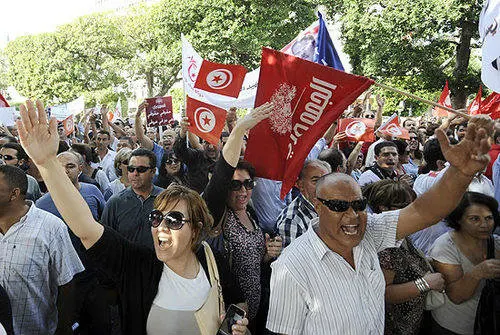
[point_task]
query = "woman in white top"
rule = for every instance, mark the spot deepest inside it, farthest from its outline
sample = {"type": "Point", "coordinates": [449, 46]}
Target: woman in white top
{"type": "Point", "coordinates": [155, 286]}
{"type": "Point", "coordinates": [120, 164]}
{"type": "Point", "coordinates": [460, 255]}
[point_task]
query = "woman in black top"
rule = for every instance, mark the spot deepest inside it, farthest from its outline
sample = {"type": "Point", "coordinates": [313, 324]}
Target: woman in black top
{"type": "Point", "coordinates": [171, 171]}
{"type": "Point", "coordinates": [141, 275]}
{"type": "Point", "coordinates": [239, 236]}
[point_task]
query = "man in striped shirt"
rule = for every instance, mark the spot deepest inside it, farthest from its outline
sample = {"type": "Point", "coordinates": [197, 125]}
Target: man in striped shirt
{"type": "Point", "coordinates": [329, 281]}
{"type": "Point", "coordinates": [294, 219]}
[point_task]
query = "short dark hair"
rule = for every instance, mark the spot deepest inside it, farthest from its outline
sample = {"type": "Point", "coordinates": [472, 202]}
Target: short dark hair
{"type": "Point", "coordinates": [432, 153]}
{"type": "Point", "coordinates": [383, 144]}
{"type": "Point", "coordinates": [332, 156]}
{"type": "Point", "coordinates": [63, 146]}
{"type": "Point", "coordinates": [86, 151]}
{"type": "Point", "coordinates": [409, 119]}
{"type": "Point", "coordinates": [21, 154]}
{"type": "Point", "coordinates": [471, 198]}
{"type": "Point", "coordinates": [388, 193]}
{"type": "Point", "coordinates": [127, 138]}
{"type": "Point", "coordinates": [15, 178]}
{"type": "Point", "coordinates": [104, 132]}
{"type": "Point", "coordinates": [247, 166]}
{"type": "Point", "coordinates": [400, 146]}
{"type": "Point", "coordinates": [141, 152]}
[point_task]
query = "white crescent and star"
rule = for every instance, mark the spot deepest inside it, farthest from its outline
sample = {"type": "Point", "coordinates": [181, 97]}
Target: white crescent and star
{"type": "Point", "coordinates": [219, 79]}
{"type": "Point", "coordinates": [204, 119]}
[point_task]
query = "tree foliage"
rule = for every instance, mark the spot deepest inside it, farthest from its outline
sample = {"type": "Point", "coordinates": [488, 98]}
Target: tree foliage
{"type": "Point", "coordinates": [414, 45]}
{"type": "Point", "coordinates": [100, 55]}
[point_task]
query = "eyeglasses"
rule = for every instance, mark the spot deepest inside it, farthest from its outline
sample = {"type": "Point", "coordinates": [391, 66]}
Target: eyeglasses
{"type": "Point", "coordinates": [7, 157]}
{"type": "Point", "coordinates": [236, 184]}
{"type": "Point", "coordinates": [369, 116]}
{"type": "Point", "coordinates": [342, 205]}
{"type": "Point", "coordinates": [125, 163]}
{"type": "Point", "coordinates": [172, 161]}
{"type": "Point", "coordinates": [173, 220]}
{"type": "Point", "coordinates": [140, 169]}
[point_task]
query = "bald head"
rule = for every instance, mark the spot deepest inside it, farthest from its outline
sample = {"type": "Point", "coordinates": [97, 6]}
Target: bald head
{"type": "Point", "coordinates": [333, 181]}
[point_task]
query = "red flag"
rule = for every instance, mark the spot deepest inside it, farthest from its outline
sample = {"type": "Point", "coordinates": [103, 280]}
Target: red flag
{"type": "Point", "coordinates": [491, 106]}
{"type": "Point", "coordinates": [307, 98]}
{"type": "Point", "coordinates": [220, 78]}
{"type": "Point", "coordinates": [358, 129]}
{"type": "Point", "coordinates": [475, 105]}
{"type": "Point", "coordinates": [3, 102]}
{"type": "Point", "coordinates": [69, 125]}
{"type": "Point", "coordinates": [159, 111]}
{"type": "Point", "coordinates": [394, 129]}
{"type": "Point", "coordinates": [207, 121]}
{"type": "Point", "coordinates": [444, 100]}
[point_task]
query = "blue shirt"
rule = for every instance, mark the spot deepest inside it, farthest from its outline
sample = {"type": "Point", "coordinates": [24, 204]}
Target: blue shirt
{"type": "Point", "coordinates": [90, 193]}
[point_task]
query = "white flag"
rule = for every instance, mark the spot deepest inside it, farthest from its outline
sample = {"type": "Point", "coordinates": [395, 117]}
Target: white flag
{"type": "Point", "coordinates": [489, 31]}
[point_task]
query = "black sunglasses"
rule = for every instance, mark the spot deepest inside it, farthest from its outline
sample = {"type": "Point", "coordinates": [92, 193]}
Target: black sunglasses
{"type": "Point", "coordinates": [172, 161]}
{"type": "Point", "coordinates": [173, 220]}
{"type": "Point", "coordinates": [140, 169]}
{"type": "Point", "coordinates": [236, 184]}
{"type": "Point", "coordinates": [342, 205]}
{"type": "Point", "coordinates": [7, 157]}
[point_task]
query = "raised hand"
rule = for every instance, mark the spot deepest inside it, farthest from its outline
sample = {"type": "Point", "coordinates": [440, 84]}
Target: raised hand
{"type": "Point", "coordinates": [141, 108]}
{"type": "Point", "coordinates": [184, 126]}
{"type": "Point", "coordinates": [39, 139]}
{"type": "Point", "coordinates": [470, 156]}
{"type": "Point", "coordinates": [255, 116]}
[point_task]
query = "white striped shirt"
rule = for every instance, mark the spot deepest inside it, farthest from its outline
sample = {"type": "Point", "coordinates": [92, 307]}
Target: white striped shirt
{"type": "Point", "coordinates": [315, 291]}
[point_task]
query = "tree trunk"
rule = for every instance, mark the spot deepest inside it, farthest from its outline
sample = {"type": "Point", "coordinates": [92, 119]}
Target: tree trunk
{"type": "Point", "coordinates": [149, 83]}
{"type": "Point", "coordinates": [460, 92]}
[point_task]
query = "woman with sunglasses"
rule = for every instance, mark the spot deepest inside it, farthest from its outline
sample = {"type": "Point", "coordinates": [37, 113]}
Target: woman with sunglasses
{"type": "Point", "coordinates": [171, 171]}
{"type": "Point", "coordinates": [227, 195]}
{"type": "Point", "coordinates": [403, 267]}
{"type": "Point", "coordinates": [159, 290]}
{"type": "Point", "coordinates": [120, 164]}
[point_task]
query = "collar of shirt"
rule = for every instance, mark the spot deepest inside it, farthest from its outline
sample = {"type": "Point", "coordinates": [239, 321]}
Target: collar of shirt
{"type": "Point", "coordinates": [319, 247]}
{"type": "Point", "coordinates": [154, 192]}
{"type": "Point", "coordinates": [22, 219]}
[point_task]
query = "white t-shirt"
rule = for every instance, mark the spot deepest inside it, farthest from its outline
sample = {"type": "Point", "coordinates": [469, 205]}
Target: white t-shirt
{"type": "Point", "coordinates": [182, 294]}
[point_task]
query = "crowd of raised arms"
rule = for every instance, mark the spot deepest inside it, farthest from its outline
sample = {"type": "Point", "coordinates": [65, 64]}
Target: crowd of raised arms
{"type": "Point", "coordinates": [125, 229]}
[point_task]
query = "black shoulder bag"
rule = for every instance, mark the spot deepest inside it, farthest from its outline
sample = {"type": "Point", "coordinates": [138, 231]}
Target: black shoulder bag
{"type": "Point", "coordinates": [488, 310]}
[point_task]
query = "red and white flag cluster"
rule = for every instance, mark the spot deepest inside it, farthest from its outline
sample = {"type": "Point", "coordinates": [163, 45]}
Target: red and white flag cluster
{"type": "Point", "coordinates": [393, 128]}
{"type": "Point", "coordinates": [358, 129]}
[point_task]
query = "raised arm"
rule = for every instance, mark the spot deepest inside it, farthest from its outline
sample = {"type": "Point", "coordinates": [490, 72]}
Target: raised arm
{"type": "Point", "coordinates": [144, 141]}
{"type": "Point", "coordinates": [353, 157]}
{"type": "Point", "coordinates": [380, 109]}
{"type": "Point", "coordinates": [467, 158]}
{"type": "Point", "coordinates": [40, 141]}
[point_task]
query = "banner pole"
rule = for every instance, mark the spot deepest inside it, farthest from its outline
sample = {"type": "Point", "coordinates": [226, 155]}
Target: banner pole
{"type": "Point", "coordinates": [429, 102]}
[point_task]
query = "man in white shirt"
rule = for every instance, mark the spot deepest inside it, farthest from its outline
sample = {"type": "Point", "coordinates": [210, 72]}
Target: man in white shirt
{"type": "Point", "coordinates": [329, 281]}
{"type": "Point", "coordinates": [106, 155]}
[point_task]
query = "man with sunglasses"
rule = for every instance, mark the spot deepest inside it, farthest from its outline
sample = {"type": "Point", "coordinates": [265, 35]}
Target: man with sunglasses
{"type": "Point", "coordinates": [294, 219]}
{"type": "Point", "coordinates": [329, 281]}
{"type": "Point", "coordinates": [14, 154]}
{"type": "Point", "coordinates": [128, 211]}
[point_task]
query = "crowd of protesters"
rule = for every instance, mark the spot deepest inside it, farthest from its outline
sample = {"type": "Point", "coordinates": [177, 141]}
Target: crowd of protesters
{"type": "Point", "coordinates": [125, 229]}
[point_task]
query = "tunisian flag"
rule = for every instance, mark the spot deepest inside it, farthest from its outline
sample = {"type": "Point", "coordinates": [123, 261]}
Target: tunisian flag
{"type": "Point", "coordinates": [307, 98]}
{"type": "Point", "coordinates": [206, 121]}
{"type": "Point", "coordinates": [68, 125]}
{"type": "Point", "coordinates": [220, 78]}
{"type": "Point", "coordinates": [3, 102]}
{"type": "Point", "coordinates": [444, 100]}
{"type": "Point", "coordinates": [358, 129]}
{"type": "Point", "coordinates": [394, 129]}
{"type": "Point", "coordinates": [475, 105]}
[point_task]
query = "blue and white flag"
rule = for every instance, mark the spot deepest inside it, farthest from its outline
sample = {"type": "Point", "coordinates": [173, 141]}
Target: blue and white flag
{"type": "Point", "coordinates": [325, 52]}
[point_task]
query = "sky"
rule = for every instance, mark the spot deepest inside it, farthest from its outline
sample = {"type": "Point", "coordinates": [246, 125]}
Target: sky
{"type": "Point", "coordinates": [23, 17]}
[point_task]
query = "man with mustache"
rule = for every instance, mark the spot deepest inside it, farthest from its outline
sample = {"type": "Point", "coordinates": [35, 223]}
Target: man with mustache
{"type": "Point", "coordinates": [386, 159]}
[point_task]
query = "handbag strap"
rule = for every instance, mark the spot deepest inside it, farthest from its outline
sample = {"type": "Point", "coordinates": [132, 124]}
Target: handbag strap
{"type": "Point", "coordinates": [490, 248]}
{"type": "Point", "coordinates": [214, 274]}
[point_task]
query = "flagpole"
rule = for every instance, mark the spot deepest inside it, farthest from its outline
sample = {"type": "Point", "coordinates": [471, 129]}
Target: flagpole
{"type": "Point", "coordinates": [429, 102]}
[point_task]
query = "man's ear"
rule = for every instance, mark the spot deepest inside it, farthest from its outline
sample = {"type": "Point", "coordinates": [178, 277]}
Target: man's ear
{"type": "Point", "coordinates": [15, 194]}
{"type": "Point", "coordinates": [440, 164]}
